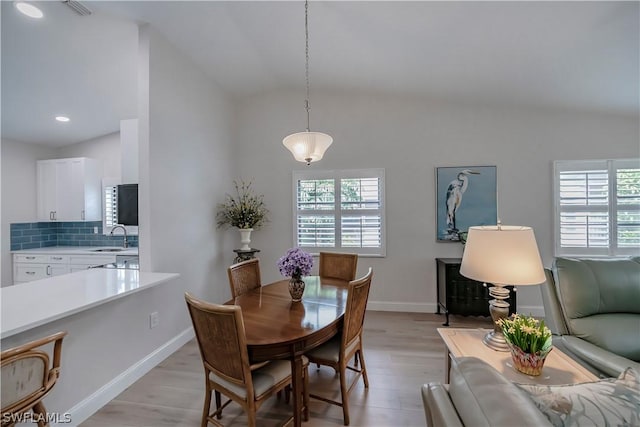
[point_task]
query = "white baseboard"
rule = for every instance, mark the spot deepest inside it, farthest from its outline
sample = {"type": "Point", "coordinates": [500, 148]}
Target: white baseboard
{"type": "Point", "coordinates": [87, 407]}
{"type": "Point", "coordinates": [411, 307]}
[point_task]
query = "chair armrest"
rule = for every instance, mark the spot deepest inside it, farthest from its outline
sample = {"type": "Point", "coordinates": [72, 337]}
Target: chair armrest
{"type": "Point", "coordinates": [438, 408]}
{"type": "Point", "coordinates": [602, 360]}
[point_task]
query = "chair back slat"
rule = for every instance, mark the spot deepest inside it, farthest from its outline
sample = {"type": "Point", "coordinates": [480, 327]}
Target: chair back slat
{"type": "Point", "coordinates": [220, 334]}
{"type": "Point", "coordinates": [338, 265]}
{"type": "Point", "coordinates": [244, 276]}
{"type": "Point", "coordinates": [28, 375]}
{"type": "Point", "coordinates": [24, 375]}
{"type": "Point", "coordinates": [357, 297]}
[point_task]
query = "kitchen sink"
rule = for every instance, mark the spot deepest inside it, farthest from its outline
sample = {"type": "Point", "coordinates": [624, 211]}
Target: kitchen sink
{"type": "Point", "coordinates": [108, 250]}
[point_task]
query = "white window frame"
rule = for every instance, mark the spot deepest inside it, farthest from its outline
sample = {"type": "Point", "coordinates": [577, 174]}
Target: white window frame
{"type": "Point", "coordinates": [132, 230]}
{"type": "Point", "coordinates": [338, 175]}
{"type": "Point", "coordinates": [611, 166]}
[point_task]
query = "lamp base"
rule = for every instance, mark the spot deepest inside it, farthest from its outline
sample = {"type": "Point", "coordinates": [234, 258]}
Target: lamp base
{"type": "Point", "coordinates": [499, 309]}
{"type": "Point", "coordinates": [495, 341]}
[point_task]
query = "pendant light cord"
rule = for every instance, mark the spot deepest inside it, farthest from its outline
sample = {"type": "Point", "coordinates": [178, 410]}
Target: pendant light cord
{"type": "Point", "coordinates": [306, 51]}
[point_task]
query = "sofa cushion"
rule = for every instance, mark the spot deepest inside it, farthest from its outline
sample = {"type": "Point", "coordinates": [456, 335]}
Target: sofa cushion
{"type": "Point", "coordinates": [588, 286]}
{"type": "Point", "coordinates": [613, 402]}
{"type": "Point", "coordinates": [617, 332]}
{"type": "Point", "coordinates": [483, 397]}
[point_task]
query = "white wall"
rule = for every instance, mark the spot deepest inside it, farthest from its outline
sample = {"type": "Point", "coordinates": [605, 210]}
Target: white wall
{"type": "Point", "coordinates": [187, 170]}
{"type": "Point", "coordinates": [105, 148]}
{"type": "Point", "coordinates": [18, 192]}
{"type": "Point", "coordinates": [409, 138]}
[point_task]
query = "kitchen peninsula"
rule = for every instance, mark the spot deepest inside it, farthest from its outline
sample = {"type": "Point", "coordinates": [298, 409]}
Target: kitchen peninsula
{"type": "Point", "coordinates": [32, 304]}
{"type": "Point", "coordinates": [111, 340]}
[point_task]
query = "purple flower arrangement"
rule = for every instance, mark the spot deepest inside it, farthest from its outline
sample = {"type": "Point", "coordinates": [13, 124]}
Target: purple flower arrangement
{"type": "Point", "coordinates": [295, 263]}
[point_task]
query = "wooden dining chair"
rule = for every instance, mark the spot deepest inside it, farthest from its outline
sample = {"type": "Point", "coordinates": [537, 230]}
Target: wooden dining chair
{"type": "Point", "coordinates": [338, 265]}
{"type": "Point", "coordinates": [244, 276]}
{"type": "Point", "coordinates": [341, 349]}
{"type": "Point", "coordinates": [221, 338]}
{"type": "Point", "coordinates": [27, 378]}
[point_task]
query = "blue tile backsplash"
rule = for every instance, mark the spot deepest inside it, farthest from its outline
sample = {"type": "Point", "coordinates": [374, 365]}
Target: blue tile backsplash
{"type": "Point", "coordinates": [31, 235]}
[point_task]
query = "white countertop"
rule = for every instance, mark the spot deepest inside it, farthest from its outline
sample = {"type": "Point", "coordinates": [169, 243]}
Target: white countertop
{"type": "Point", "coordinates": [78, 250]}
{"type": "Point", "coordinates": [31, 304]}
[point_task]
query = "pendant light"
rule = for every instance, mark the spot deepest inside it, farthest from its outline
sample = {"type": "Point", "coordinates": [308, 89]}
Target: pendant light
{"type": "Point", "coordinates": [307, 146]}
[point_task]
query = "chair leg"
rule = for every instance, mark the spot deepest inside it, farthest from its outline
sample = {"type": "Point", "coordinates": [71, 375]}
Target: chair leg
{"type": "Point", "coordinates": [207, 407]}
{"type": "Point", "coordinates": [218, 403]}
{"type": "Point", "coordinates": [287, 394]}
{"type": "Point", "coordinates": [363, 369]}
{"type": "Point", "coordinates": [344, 391]}
{"type": "Point", "coordinates": [41, 411]}
{"type": "Point", "coordinates": [305, 394]}
{"type": "Point", "coordinates": [251, 415]}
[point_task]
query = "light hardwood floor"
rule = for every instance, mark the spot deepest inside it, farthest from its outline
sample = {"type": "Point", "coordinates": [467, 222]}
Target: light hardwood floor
{"type": "Point", "coordinates": [402, 352]}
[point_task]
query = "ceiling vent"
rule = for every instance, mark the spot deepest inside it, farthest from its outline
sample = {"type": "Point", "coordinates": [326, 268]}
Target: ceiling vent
{"type": "Point", "coordinates": [78, 7]}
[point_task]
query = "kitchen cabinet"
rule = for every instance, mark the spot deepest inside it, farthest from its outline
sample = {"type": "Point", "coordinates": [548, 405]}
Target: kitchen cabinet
{"type": "Point", "coordinates": [69, 190]}
{"type": "Point", "coordinates": [38, 266]}
{"type": "Point", "coordinates": [35, 266]}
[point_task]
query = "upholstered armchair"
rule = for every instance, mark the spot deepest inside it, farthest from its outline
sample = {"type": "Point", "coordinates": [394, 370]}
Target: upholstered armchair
{"type": "Point", "coordinates": [593, 306]}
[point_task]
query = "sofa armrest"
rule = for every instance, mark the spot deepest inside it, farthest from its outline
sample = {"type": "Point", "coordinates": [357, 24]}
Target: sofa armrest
{"type": "Point", "coordinates": [438, 408]}
{"type": "Point", "coordinates": [604, 361]}
{"type": "Point", "coordinates": [553, 316]}
{"type": "Point", "coordinates": [483, 397]}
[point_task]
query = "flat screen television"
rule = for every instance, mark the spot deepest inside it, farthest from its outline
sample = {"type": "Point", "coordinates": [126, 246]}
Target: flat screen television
{"type": "Point", "coordinates": [128, 204]}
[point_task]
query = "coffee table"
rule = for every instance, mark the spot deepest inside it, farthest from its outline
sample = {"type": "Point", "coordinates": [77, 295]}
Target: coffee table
{"type": "Point", "coordinates": [558, 367]}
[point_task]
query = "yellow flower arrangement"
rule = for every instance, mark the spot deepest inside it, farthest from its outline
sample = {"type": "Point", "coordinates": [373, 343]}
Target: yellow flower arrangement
{"type": "Point", "coordinates": [529, 334]}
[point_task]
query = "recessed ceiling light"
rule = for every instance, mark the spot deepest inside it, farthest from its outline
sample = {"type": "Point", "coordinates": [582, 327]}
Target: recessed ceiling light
{"type": "Point", "coordinates": [62, 118]}
{"type": "Point", "coordinates": [28, 9]}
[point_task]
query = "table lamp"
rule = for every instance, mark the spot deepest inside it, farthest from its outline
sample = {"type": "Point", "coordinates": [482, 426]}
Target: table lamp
{"type": "Point", "coordinates": [501, 255]}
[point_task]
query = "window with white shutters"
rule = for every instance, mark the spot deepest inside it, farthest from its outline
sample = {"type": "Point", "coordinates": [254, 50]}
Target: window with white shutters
{"type": "Point", "coordinates": [110, 208]}
{"type": "Point", "coordinates": [340, 210]}
{"type": "Point", "coordinates": [597, 204]}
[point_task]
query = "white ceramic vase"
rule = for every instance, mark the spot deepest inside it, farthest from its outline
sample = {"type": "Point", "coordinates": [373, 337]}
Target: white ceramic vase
{"type": "Point", "coordinates": [245, 238]}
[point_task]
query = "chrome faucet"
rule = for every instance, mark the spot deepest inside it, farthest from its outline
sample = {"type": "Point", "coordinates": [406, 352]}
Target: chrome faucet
{"type": "Point", "coordinates": [125, 244]}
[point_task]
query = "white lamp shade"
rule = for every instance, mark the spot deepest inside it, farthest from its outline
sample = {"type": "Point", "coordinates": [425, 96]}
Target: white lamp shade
{"type": "Point", "coordinates": [505, 255]}
{"type": "Point", "coordinates": [307, 146]}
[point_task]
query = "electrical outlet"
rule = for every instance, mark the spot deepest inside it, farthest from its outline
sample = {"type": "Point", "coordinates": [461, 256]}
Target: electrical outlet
{"type": "Point", "coordinates": [154, 319]}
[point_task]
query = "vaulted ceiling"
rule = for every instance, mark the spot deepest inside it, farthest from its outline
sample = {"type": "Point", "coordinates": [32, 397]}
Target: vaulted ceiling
{"type": "Point", "coordinates": [582, 55]}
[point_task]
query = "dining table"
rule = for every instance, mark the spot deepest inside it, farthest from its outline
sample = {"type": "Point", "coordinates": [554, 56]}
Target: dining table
{"type": "Point", "coordinates": [278, 328]}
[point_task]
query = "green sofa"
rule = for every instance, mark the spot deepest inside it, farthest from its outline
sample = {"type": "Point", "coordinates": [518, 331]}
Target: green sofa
{"type": "Point", "coordinates": [593, 306]}
{"type": "Point", "coordinates": [479, 396]}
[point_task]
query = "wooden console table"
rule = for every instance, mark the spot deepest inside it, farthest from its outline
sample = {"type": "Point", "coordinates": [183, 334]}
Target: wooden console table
{"type": "Point", "coordinates": [558, 367]}
{"type": "Point", "coordinates": [460, 295]}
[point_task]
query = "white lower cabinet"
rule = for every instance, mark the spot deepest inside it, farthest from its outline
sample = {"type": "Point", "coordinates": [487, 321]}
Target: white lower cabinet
{"type": "Point", "coordinates": [38, 266]}
{"type": "Point", "coordinates": [35, 266]}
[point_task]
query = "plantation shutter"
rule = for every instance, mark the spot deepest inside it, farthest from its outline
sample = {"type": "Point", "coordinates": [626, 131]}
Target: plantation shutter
{"type": "Point", "coordinates": [597, 207]}
{"type": "Point", "coordinates": [110, 206]}
{"type": "Point", "coordinates": [340, 210]}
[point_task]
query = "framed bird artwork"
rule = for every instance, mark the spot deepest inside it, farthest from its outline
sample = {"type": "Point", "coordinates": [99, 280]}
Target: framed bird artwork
{"type": "Point", "coordinates": [465, 196]}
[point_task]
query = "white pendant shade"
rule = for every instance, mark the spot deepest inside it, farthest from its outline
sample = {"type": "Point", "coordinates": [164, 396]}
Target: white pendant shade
{"type": "Point", "coordinates": [506, 255]}
{"type": "Point", "coordinates": [307, 146]}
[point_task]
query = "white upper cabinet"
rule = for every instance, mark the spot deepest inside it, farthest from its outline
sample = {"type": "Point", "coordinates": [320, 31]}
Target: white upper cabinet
{"type": "Point", "coordinates": [69, 190]}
